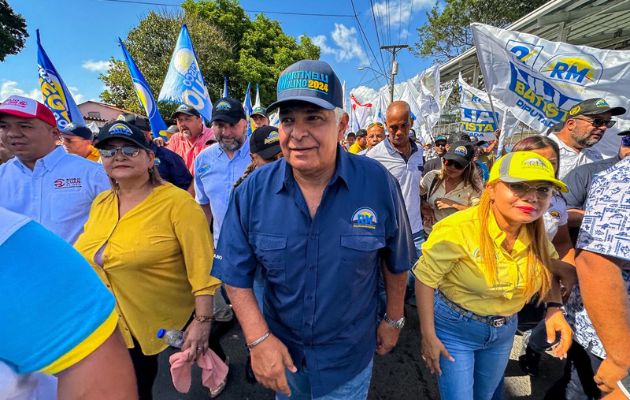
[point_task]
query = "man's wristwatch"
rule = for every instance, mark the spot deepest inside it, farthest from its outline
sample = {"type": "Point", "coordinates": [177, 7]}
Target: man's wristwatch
{"type": "Point", "coordinates": [398, 324]}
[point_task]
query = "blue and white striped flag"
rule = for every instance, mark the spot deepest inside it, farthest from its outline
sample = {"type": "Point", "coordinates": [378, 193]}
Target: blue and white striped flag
{"type": "Point", "coordinates": [184, 83]}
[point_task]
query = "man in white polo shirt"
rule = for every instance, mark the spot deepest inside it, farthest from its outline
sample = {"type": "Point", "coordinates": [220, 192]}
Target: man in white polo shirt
{"type": "Point", "coordinates": [403, 159]}
{"type": "Point", "coordinates": [42, 181]}
{"type": "Point", "coordinates": [585, 125]}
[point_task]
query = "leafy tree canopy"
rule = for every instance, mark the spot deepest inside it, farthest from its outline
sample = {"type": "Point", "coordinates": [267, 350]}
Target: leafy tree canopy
{"type": "Point", "coordinates": [227, 43]}
{"type": "Point", "coordinates": [447, 32]}
{"type": "Point", "coordinates": [13, 32]}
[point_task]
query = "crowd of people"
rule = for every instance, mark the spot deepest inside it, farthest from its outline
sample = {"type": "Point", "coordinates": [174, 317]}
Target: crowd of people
{"type": "Point", "coordinates": [315, 241]}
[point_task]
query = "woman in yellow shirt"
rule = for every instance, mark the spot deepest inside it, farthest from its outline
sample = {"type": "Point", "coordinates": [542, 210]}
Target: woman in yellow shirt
{"type": "Point", "coordinates": [478, 269]}
{"type": "Point", "coordinates": [150, 243]}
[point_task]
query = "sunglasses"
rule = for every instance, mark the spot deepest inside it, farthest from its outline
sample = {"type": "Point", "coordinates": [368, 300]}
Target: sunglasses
{"type": "Point", "coordinates": [454, 164]}
{"type": "Point", "coordinates": [599, 122]}
{"type": "Point", "coordinates": [521, 189]}
{"type": "Point", "coordinates": [375, 123]}
{"type": "Point", "coordinates": [127, 151]}
{"type": "Point", "coordinates": [441, 144]}
{"type": "Point", "coordinates": [625, 141]}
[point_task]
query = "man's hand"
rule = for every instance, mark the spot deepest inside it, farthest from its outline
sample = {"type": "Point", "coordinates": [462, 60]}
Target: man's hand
{"type": "Point", "coordinates": [159, 142]}
{"type": "Point", "coordinates": [386, 338]}
{"type": "Point", "coordinates": [555, 322]}
{"type": "Point", "coordinates": [608, 374]}
{"type": "Point", "coordinates": [269, 360]}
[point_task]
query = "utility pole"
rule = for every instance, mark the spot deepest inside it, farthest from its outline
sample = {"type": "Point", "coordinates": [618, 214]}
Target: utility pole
{"type": "Point", "coordinates": [393, 49]}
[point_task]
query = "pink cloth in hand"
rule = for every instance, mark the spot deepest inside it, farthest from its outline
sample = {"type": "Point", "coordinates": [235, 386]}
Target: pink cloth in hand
{"type": "Point", "coordinates": [213, 370]}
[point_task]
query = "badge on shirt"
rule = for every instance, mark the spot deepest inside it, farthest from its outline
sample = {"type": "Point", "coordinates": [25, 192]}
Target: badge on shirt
{"type": "Point", "coordinates": [364, 218]}
{"type": "Point", "coordinates": [555, 214]}
{"type": "Point", "coordinates": [67, 183]}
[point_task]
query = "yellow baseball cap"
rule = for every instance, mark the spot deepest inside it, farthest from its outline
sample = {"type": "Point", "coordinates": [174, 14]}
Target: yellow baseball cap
{"type": "Point", "coordinates": [523, 166]}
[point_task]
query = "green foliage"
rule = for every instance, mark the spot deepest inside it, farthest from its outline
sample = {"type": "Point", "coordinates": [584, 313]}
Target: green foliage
{"type": "Point", "coordinates": [447, 32]}
{"type": "Point", "coordinates": [151, 45]}
{"type": "Point", "coordinates": [12, 31]}
{"type": "Point", "coordinates": [227, 43]}
{"type": "Point", "coordinates": [266, 51]}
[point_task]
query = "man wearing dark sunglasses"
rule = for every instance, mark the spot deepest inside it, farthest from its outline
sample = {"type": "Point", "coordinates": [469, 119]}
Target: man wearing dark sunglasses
{"type": "Point", "coordinates": [439, 145]}
{"type": "Point", "coordinates": [585, 125]}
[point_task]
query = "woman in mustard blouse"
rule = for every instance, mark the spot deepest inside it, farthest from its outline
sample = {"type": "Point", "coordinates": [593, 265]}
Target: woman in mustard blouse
{"type": "Point", "coordinates": [150, 243]}
{"type": "Point", "coordinates": [478, 269]}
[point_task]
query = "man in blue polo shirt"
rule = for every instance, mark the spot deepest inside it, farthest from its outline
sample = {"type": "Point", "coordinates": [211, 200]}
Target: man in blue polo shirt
{"type": "Point", "coordinates": [219, 166]}
{"type": "Point", "coordinates": [42, 181]}
{"type": "Point", "coordinates": [320, 223]}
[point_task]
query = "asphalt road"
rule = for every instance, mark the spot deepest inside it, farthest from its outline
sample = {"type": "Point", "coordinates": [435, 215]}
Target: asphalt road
{"type": "Point", "coordinates": [398, 375]}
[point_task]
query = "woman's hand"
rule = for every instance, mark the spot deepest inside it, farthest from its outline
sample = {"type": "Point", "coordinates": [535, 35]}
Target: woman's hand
{"type": "Point", "coordinates": [428, 218]}
{"type": "Point", "coordinates": [443, 203]}
{"type": "Point", "coordinates": [555, 322]}
{"type": "Point", "coordinates": [431, 350]}
{"type": "Point", "coordinates": [196, 337]}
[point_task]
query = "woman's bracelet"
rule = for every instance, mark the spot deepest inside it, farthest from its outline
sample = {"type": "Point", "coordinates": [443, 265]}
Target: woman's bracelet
{"type": "Point", "coordinates": [204, 318]}
{"type": "Point", "coordinates": [258, 341]}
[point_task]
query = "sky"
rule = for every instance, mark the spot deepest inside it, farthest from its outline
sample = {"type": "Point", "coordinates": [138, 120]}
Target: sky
{"type": "Point", "coordinates": [80, 36]}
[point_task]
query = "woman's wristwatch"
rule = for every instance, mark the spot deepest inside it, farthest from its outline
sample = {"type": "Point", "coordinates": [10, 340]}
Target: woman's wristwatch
{"type": "Point", "coordinates": [552, 304]}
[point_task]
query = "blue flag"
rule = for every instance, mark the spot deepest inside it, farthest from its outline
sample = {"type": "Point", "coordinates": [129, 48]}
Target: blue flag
{"type": "Point", "coordinates": [247, 107]}
{"type": "Point", "coordinates": [56, 95]}
{"type": "Point", "coordinates": [225, 86]}
{"type": "Point", "coordinates": [143, 91]}
{"type": "Point", "coordinates": [184, 83]}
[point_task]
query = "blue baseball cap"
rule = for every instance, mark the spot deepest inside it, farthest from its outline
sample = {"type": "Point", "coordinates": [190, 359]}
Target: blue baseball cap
{"type": "Point", "coordinates": [312, 81]}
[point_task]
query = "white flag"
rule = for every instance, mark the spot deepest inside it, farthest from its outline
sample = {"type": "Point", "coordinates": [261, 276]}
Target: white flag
{"type": "Point", "coordinates": [539, 80]}
{"type": "Point", "coordinates": [429, 101]}
{"type": "Point", "coordinates": [477, 117]}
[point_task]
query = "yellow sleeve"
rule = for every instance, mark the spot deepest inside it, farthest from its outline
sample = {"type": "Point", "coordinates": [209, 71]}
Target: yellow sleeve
{"type": "Point", "coordinates": [193, 234]}
{"type": "Point", "coordinates": [439, 253]}
{"type": "Point", "coordinates": [551, 249]}
{"type": "Point", "coordinates": [85, 348]}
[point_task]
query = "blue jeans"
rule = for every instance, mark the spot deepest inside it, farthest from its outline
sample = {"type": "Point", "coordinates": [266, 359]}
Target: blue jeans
{"type": "Point", "coordinates": [481, 353]}
{"type": "Point", "coordinates": [355, 389]}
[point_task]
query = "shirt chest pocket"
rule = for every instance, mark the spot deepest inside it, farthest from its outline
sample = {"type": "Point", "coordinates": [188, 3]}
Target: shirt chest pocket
{"type": "Point", "coordinates": [361, 250]}
{"type": "Point", "coordinates": [271, 254]}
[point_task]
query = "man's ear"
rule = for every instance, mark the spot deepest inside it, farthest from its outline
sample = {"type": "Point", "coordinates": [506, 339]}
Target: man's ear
{"type": "Point", "coordinates": [343, 126]}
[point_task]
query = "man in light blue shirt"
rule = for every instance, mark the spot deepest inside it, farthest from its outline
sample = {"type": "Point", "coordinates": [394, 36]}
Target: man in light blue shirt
{"type": "Point", "coordinates": [219, 166]}
{"type": "Point", "coordinates": [44, 182]}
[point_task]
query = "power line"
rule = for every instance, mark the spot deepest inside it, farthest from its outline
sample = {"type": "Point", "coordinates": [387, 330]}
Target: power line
{"type": "Point", "coordinates": [364, 38]}
{"type": "Point", "coordinates": [400, 17]}
{"type": "Point", "coordinates": [409, 19]}
{"type": "Point", "coordinates": [153, 3]}
{"type": "Point", "coordinates": [389, 27]}
{"type": "Point", "coordinates": [378, 39]}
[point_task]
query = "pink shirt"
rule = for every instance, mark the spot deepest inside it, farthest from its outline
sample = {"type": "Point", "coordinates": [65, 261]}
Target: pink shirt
{"type": "Point", "coordinates": [190, 150]}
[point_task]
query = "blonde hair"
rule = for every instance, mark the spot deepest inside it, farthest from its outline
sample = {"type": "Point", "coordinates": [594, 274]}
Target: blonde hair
{"type": "Point", "coordinates": [538, 259]}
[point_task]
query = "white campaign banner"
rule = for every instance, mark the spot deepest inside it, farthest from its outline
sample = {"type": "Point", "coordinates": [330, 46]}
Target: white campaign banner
{"type": "Point", "coordinates": [539, 80]}
{"type": "Point", "coordinates": [477, 117]}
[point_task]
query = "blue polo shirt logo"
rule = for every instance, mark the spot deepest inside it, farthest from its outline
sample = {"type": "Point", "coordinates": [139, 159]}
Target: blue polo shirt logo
{"type": "Point", "coordinates": [364, 218]}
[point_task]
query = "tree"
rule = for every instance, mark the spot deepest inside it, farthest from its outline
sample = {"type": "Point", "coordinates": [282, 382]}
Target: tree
{"type": "Point", "coordinates": [13, 32]}
{"type": "Point", "coordinates": [266, 51]}
{"type": "Point", "coordinates": [227, 43]}
{"type": "Point", "coordinates": [447, 32]}
{"type": "Point", "coordinates": [151, 45]}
